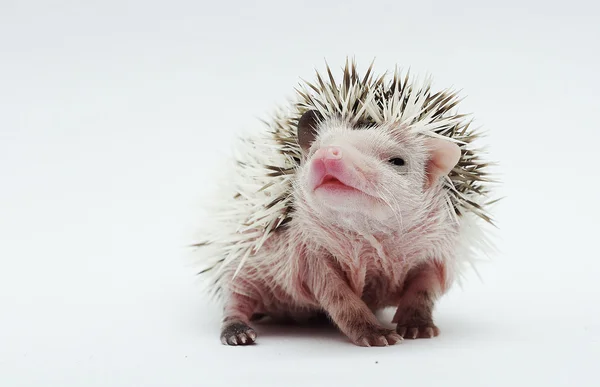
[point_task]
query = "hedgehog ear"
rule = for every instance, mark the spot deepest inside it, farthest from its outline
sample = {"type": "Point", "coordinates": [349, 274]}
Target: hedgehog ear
{"type": "Point", "coordinates": [307, 128]}
{"type": "Point", "coordinates": [443, 156]}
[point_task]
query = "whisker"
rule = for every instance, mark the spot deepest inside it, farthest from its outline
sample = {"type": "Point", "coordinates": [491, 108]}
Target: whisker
{"type": "Point", "coordinates": [396, 210]}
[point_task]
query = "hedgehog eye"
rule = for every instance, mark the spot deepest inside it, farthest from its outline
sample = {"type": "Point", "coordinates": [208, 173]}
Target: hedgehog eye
{"type": "Point", "coordinates": [397, 161]}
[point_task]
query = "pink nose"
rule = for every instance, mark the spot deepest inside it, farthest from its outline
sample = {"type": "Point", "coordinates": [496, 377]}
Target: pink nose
{"type": "Point", "coordinates": [329, 153]}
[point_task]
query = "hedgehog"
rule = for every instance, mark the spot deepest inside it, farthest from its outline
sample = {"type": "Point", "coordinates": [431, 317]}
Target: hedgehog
{"type": "Point", "coordinates": [360, 194]}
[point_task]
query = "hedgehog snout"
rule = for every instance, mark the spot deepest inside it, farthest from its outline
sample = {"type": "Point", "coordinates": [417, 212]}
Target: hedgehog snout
{"type": "Point", "coordinates": [333, 161]}
{"type": "Point", "coordinates": [329, 153]}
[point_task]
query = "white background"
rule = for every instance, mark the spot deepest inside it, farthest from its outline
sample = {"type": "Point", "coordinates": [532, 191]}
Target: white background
{"type": "Point", "coordinates": [113, 119]}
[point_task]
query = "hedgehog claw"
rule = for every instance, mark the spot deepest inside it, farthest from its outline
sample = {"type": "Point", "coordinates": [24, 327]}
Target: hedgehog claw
{"type": "Point", "coordinates": [379, 338]}
{"type": "Point", "coordinates": [418, 332]}
{"type": "Point", "coordinates": [237, 333]}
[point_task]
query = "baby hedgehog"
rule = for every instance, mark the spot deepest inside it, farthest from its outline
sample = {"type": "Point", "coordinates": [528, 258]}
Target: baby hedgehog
{"type": "Point", "coordinates": [360, 195]}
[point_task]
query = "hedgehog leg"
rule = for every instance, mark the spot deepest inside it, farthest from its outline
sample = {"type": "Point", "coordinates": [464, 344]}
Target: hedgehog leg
{"type": "Point", "coordinates": [347, 310]}
{"type": "Point", "coordinates": [414, 316]}
{"type": "Point", "coordinates": [235, 329]}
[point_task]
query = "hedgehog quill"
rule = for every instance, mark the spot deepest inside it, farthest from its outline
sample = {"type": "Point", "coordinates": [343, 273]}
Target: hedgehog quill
{"type": "Point", "coordinates": [361, 194]}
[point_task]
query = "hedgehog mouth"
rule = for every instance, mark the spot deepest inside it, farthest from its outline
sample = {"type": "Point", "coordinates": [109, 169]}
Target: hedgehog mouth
{"type": "Point", "coordinates": [332, 183]}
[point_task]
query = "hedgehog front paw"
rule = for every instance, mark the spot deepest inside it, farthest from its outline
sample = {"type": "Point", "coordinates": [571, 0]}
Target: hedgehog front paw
{"type": "Point", "coordinates": [414, 318]}
{"type": "Point", "coordinates": [412, 331]}
{"type": "Point", "coordinates": [378, 337]}
{"type": "Point", "coordinates": [237, 333]}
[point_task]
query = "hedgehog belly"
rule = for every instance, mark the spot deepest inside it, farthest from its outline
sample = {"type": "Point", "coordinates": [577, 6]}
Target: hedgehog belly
{"type": "Point", "coordinates": [276, 277]}
{"type": "Point", "coordinates": [286, 298]}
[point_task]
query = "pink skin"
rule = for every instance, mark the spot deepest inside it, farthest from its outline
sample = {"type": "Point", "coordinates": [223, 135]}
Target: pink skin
{"type": "Point", "coordinates": [365, 236]}
{"type": "Point", "coordinates": [444, 158]}
{"type": "Point", "coordinates": [414, 314]}
{"type": "Point", "coordinates": [333, 176]}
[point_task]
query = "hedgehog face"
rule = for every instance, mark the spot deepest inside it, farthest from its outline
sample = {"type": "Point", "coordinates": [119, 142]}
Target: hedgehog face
{"type": "Point", "coordinates": [368, 176]}
{"type": "Point", "coordinates": [374, 177]}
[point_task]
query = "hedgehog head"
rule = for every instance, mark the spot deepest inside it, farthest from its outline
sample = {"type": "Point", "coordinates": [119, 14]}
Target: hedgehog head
{"type": "Point", "coordinates": [366, 175]}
